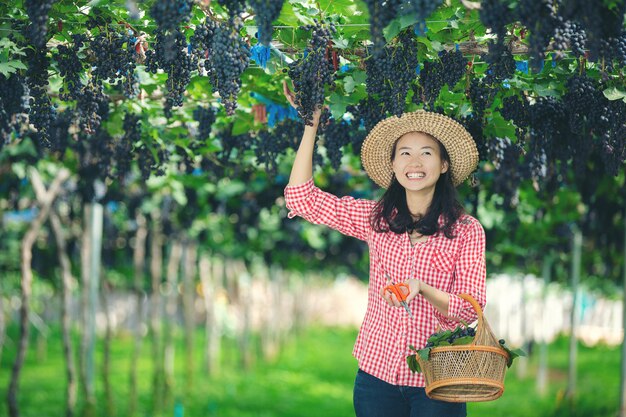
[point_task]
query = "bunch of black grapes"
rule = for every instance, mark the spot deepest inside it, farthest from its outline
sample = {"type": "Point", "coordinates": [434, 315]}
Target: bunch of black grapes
{"type": "Point", "coordinates": [391, 73]}
{"type": "Point", "coordinates": [314, 71]}
{"type": "Point", "coordinates": [169, 14]}
{"type": "Point", "coordinates": [505, 156]}
{"type": "Point", "coordinates": [205, 116]}
{"type": "Point", "coordinates": [70, 67]}
{"type": "Point", "coordinates": [170, 54]}
{"type": "Point", "coordinates": [266, 11]}
{"type": "Point", "coordinates": [223, 53]}
{"type": "Point", "coordinates": [481, 96]}
{"type": "Point", "coordinates": [41, 111]}
{"type": "Point", "coordinates": [12, 104]}
{"type": "Point", "coordinates": [540, 17]}
{"type": "Point", "coordinates": [501, 63]}
{"type": "Point", "coordinates": [37, 30]}
{"type": "Point", "coordinates": [124, 147]}
{"type": "Point", "coordinates": [496, 15]}
{"type": "Point", "coordinates": [336, 136]}
{"type": "Point", "coordinates": [381, 13]}
{"type": "Point", "coordinates": [115, 60]}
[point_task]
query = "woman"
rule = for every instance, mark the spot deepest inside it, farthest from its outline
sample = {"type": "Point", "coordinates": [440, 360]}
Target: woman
{"type": "Point", "coordinates": [417, 234]}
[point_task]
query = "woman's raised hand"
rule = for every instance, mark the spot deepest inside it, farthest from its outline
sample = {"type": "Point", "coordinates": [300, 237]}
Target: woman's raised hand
{"type": "Point", "coordinates": [291, 98]}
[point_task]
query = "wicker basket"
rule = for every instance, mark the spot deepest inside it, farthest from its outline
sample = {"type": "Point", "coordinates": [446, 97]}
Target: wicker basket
{"type": "Point", "coordinates": [464, 373]}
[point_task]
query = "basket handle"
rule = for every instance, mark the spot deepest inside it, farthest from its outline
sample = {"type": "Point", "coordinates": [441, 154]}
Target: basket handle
{"type": "Point", "coordinates": [477, 308]}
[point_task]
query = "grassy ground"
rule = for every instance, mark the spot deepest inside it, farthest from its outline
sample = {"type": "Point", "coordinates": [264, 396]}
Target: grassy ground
{"type": "Point", "coordinates": [312, 376]}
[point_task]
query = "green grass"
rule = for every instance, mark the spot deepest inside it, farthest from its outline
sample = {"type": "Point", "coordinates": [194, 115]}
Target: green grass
{"type": "Point", "coordinates": [312, 376]}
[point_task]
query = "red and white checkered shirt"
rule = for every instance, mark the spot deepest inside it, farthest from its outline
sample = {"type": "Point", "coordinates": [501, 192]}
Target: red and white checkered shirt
{"type": "Point", "coordinates": [455, 266]}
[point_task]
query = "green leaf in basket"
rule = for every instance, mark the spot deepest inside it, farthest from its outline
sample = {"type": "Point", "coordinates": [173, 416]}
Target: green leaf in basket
{"type": "Point", "coordinates": [412, 348]}
{"type": "Point", "coordinates": [414, 365]}
{"type": "Point", "coordinates": [515, 353]}
{"type": "Point", "coordinates": [424, 353]}
{"type": "Point", "coordinates": [465, 340]}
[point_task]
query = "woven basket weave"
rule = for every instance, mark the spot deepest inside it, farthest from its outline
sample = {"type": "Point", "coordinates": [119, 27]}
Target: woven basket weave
{"type": "Point", "coordinates": [465, 373]}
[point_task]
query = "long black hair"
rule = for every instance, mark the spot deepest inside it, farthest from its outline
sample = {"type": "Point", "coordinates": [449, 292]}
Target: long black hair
{"type": "Point", "coordinates": [391, 213]}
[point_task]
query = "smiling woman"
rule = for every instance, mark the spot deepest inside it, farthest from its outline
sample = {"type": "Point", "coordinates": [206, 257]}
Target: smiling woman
{"type": "Point", "coordinates": [419, 158]}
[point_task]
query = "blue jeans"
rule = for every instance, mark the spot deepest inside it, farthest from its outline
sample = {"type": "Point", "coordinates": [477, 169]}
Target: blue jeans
{"type": "Point", "coordinates": [374, 397]}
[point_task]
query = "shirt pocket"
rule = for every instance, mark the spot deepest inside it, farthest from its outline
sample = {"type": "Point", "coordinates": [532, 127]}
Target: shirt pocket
{"type": "Point", "coordinates": [442, 261]}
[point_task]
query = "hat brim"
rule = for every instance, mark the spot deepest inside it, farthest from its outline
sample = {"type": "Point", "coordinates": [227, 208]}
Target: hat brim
{"type": "Point", "coordinates": [378, 145]}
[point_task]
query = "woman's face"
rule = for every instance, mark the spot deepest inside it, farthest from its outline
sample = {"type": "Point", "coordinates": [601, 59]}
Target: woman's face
{"type": "Point", "coordinates": [417, 161]}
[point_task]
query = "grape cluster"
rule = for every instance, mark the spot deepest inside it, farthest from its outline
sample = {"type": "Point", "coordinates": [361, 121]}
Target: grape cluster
{"type": "Point", "coordinates": [41, 111]}
{"type": "Point", "coordinates": [37, 30]}
{"type": "Point", "coordinates": [505, 156]}
{"type": "Point", "coordinates": [311, 73]}
{"type": "Point", "coordinates": [92, 107]}
{"type": "Point", "coordinates": [148, 162]}
{"type": "Point", "coordinates": [169, 14]}
{"type": "Point", "coordinates": [115, 60]}
{"type": "Point", "coordinates": [336, 136]}
{"type": "Point", "coordinates": [370, 110]}
{"type": "Point", "coordinates": [516, 110]}
{"type": "Point", "coordinates": [454, 67]}
{"type": "Point", "coordinates": [224, 55]}
{"type": "Point", "coordinates": [381, 13]}
{"type": "Point", "coordinates": [431, 81]}
{"type": "Point", "coordinates": [481, 96]}
{"type": "Point", "coordinates": [583, 100]}
{"type": "Point", "coordinates": [540, 17]}
{"type": "Point", "coordinates": [391, 73]}
{"type": "Point", "coordinates": [599, 21]}
{"type": "Point", "coordinates": [235, 7]}
{"type": "Point", "coordinates": [59, 132]}
{"type": "Point", "coordinates": [569, 35]}
{"type": "Point", "coordinates": [266, 12]}
{"type": "Point", "coordinates": [170, 54]}
{"type": "Point", "coordinates": [124, 147]}
{"type": "Point", "coordinates": [501, 63]}
{"type": "Point", "coordinates": [205, 118]}
{"type": "Point", "coordinates": [70, 67]}
{"type": "Point", "coordinates": [450, 336]}
{"type": "Point", "coordinates": [495, 14]}
{"type": "Point", "coordinates": [12, 104]}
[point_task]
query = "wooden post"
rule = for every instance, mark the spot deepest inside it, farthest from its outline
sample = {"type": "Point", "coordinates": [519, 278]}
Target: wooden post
{"type": "Point", "coordinates": [542, 372]}
{"type": "Point", "coordinates": [573, 342]}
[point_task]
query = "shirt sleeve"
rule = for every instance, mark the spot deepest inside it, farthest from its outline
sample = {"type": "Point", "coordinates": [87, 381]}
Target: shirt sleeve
{"type": "Point", "coordinates": [347, 215]}
{"type": "Point", "coordinates": [469, 278]}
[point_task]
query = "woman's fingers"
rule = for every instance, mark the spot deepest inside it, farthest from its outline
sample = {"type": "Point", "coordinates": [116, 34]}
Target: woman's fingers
{"type": "Point", "coordinates": [291, 98]}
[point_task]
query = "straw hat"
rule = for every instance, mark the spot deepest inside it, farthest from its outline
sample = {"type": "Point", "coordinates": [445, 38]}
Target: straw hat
{"type": "Point", "coordinates": [378, 145]}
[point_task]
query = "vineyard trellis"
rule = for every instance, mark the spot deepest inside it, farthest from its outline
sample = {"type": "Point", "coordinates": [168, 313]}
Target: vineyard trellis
{"type": "Point", "coordinates": [169, 117]}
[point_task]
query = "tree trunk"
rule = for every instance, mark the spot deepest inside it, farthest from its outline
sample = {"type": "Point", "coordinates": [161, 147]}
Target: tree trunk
{"type": "Point", "coordinates": [66, 329]}
{"type": "Point", "coordinates": [173, 268]}
{"type": "Point", "coordinates": [190, 271]}
{"type": "Point", "coordinates": [244, 283]}
{"type": "Point", "coordinates": [542, 372]}
{"type": "Point", "coordinates": [156, 314]}
{"type": "Point", "coordinates": [27, 280]}
{"type": "Point", "coordinates": [109, 403]}
{"type": "Point", "coordinates": [139, 257]}
{"type": "Point", "coordinates": [573, 343]}
{"type": "Point", "coordinates": [90, 261]}
{"type": "Point", "coordinates": [212, 328]}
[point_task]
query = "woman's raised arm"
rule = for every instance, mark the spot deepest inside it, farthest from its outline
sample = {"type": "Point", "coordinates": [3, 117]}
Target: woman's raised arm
{"type": "Point", "coordinates": [302, 169]}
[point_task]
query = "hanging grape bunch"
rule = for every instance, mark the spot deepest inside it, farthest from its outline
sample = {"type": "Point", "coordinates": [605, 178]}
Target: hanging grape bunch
{"type": "Point", "coordinates": [266, 11]}
{"type": "Point", "coordinates": [391, 73]}
{"type": "Point", "coordinates": [314, 71]}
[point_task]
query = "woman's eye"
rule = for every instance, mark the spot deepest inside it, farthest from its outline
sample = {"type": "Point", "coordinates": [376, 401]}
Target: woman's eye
{"type": "Point", "coordinates": [426, 153]}
{"type": "Point", "coordinates": [404, 153]}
